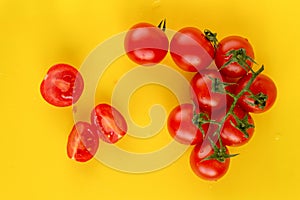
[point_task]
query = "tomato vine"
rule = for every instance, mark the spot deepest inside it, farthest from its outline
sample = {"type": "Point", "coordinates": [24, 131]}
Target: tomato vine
{"type": "Point", "coordinates": [218, 86]}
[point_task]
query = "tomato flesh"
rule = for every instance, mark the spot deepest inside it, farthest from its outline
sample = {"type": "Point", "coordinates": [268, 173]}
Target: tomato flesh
{"type": "Point", "coordinates": [62, 85]}
{"type": "Point", "coordinates": [83, 142]}
{"type": "Point", "coordinates": [109, 123]}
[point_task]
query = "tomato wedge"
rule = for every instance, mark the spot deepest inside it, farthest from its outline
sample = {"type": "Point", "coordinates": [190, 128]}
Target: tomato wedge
{"type": "Point", "coordinates": [109, 123]}
{"type": "Point", "coordinates": [83, 142]}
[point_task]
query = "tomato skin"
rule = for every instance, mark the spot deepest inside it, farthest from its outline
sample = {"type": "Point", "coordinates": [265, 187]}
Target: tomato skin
{"type": "Point", "coordinates": [146, 44]}
{"type": "Point", "coordinates": [233, 70]}
{"type": "Point", "coordinates": [261, 84]}
{"type": "Point", "coordinates": [181, 127]}
{"type": "Point", "coordinates": [83, 142]}
{"type": "Point", "coordinates": [190, 49]}
{"type": "Point", "coordinates": [62, 86]}
{"type": "Point", "coordinates": [109, 123]}
{"type": "Point", "coordinates": [210, 170]}
{"type": "Point", "coordinates": [230, 134]}
{"type": "Point", "coordinates": [201, 91]}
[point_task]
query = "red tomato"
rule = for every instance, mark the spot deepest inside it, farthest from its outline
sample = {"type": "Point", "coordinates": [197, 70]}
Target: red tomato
{"type": "Point", "coordinates": [263, 88]}
{"type": "Point", "coordinates": [211, 169]}
{"type": "Point", "coordinates": [146, 44]}
{"type": "Point", "coordinates": [109, 122]}
{"type": "Point", "coordinates": [62, 85]}
{"type": "Point", "coordinates": [83, 142]}
{"type": "Point", "coordinates": [190, 49]}
{"type": "Point", "coordinates": [181, 127]}
{"type": "Point", "coordinates": [237, 132]}
{"type": "Point", "coordinates": [202, 94]}
{"type": "Point", "coordinates": [233, 70]}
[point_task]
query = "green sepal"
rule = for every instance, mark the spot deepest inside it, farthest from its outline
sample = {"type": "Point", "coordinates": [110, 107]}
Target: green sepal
{"type": "Point", "coordinates": [238, 56]}
{"type": "Point", "coordinates": [212, 37]}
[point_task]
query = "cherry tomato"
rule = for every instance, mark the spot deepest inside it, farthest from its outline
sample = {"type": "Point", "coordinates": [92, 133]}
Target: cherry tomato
{"type": "Point", "coordinates": [109, 123]}
{"type": "Point", "coordinates": [190, 49]}
{"type": "Point", "coordinates": [181, 127]}
{"type": "Point", "coordinates": [233, 70]}
{"type": "Point", "coordinates": [264, 93]}
{"type": "Point", "coordinates": [236, 132]}
{"type": "Point", "coordinates": [146, 44]}
{"type": "Point", "coordinates": [62, 86]}
{"type": "Point", "coordinates": [83, 142]}
{"type": "Point", "coordinates": [208, 169]}
{"type": "Point", "coordinates": [202, 94]}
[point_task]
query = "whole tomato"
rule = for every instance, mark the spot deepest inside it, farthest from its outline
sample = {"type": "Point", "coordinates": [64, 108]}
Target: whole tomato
{"type": "Point", "coordinates": [146, 44]}
{"type": "Point", "coordinates": [202, 85]}
{"type": "Point", "coordinates": [238, 128]}
{"type": "Point", "coordinates": [191, 50]}
{"type": "Point", "coordinates": [206, 167]}
{"type": "Point", "coordinates": [181, 126]}
{"type": "Point", "coordinates": [262, 96]}
{"type": "Point", "coordinates": [234, 69]}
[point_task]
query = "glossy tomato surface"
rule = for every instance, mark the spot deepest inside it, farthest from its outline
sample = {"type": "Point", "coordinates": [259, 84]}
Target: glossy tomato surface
{"type": "Point", "coordinates": [181, 126]}
{"type": "Point", "coordinates": [146, 44]}
{"type": "Point", "coordinates": [202, 93]}
{"type": "Point", "coordinates": [233, 70]}
{"type": "Point", "coordinates": [263, 88]}
{"type": "Point", "coordinates": [62, 86]}
{"type": "Point", "coordinates": [237, 129]}
{"type": "Point", "coordinates": [210, 169]}
{"type": "Point", "coordinates": [109, 123]}
{"type": "Point", "coordinates": [190, 49]}
{"type": "Point", "coordinates": [83, 142]}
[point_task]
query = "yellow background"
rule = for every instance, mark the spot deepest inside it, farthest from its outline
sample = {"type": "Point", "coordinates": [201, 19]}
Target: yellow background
{"type": "Point", "coordinates": [37, 34]}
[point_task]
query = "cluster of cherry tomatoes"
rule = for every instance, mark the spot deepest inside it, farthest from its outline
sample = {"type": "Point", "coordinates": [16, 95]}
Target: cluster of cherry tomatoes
{"type": "Point", "coordinates": [62, 86]}
{"type": "Point", "coordinates": [224, 90]}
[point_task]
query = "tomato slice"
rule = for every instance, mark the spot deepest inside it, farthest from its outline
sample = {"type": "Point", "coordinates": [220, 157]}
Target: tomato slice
{"type": "Point", "coordinates": [83, 142]}
{"type": "Point", "coordinates": [109, 123]}
{"type": "Point", "coordinates": [62, 85]}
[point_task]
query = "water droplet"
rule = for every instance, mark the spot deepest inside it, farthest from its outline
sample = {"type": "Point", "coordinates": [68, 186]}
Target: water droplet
{"type": "Point", "coordinates": [156, 4]}
{"type": "Point", "coordinates": [277, 137]}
